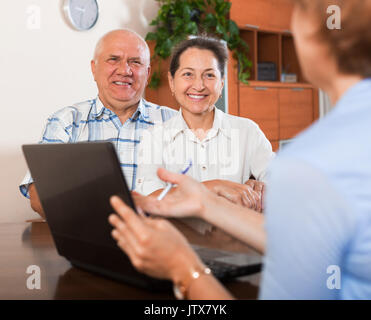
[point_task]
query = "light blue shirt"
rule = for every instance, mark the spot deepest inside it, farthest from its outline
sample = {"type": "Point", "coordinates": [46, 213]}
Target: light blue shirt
{"type": "Point", "coordinates": [92, 121]}
{"type": "Point", "coordinates": [318, 208]}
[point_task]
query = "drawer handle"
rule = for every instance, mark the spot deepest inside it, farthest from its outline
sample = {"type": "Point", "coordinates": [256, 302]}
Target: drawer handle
{"type": "Point", "coordinates": [297, 89]}
{"type": "Point", "coordinates": [261, 88]}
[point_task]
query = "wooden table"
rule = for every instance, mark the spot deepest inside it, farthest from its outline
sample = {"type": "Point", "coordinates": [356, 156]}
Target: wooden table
{"type": "Point", "coordinates": [25, 244]}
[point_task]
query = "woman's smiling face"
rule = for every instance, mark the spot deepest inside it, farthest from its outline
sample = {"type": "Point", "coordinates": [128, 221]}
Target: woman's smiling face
{"type": "Point", "coordinates": [197, 83]}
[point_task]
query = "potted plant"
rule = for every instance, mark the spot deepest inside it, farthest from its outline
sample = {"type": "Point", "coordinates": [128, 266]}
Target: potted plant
{"type": "Point", "coordinates": [177, 19]}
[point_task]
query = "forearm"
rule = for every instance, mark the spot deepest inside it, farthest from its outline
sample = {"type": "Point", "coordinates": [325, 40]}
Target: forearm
{"type": "Point", "coordinates": [241, 223]}
{"type": "Point", "coordinates": [35, 201]}
{"type": "Point", "coordinates": [205, 287]}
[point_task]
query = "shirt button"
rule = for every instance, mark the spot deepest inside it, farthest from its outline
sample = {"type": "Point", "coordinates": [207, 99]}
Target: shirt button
{"type": "Point", "coordinates": [140, 180]}
{"type": "Point", "coordinates": [202, 146]}
{"type": "Point", "coordinates": [204, 167]}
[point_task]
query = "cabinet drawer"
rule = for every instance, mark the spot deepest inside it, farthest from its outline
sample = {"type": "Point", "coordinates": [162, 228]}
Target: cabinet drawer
{"type": "Point", "coordinates": [260, 104]}
{"type": "Point", "coordinates": [296, 111]}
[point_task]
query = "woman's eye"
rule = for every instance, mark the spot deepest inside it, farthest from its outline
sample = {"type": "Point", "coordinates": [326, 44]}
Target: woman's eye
{"type": "Point", "coordinates": [187, 74]}
{"type": "Point", "coordinates": [210, 75]}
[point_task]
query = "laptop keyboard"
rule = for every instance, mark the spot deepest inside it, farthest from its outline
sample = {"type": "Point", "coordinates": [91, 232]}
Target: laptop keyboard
{"type": "Point", "coordinates": [223, 270]}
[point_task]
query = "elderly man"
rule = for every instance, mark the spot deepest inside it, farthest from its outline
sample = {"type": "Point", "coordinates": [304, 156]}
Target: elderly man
{"type": "Point", "coordinates": [121, 67]}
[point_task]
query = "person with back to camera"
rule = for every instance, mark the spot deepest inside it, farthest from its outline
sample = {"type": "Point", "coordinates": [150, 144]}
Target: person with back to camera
{"type": "Point", "coordinates": [316, 231]}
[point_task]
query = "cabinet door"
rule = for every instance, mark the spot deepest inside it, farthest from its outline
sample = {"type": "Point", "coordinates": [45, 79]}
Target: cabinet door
{"type": "Point", "coordinates": [296, 111]}
{"type": "Point", "coordinates": [260, 104]}
{"type": "Point", "coordinates": [265, 14]}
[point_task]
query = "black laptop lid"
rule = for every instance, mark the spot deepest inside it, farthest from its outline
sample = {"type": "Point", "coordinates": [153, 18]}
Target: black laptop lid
{"type": "Point", "coordinates": [71, 189]}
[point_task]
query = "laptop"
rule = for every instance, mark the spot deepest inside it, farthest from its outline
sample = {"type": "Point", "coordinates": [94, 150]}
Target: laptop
{"type": "Point", "coordinates": [74, 183]}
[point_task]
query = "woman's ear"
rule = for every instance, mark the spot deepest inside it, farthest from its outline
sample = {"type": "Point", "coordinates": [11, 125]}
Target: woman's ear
{"type": "Point", "coordinates": [171, 82]}
{"type": "Point", "coordinates": [221, 89]}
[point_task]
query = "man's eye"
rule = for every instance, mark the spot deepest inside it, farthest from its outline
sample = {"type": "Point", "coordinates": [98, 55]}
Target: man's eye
{"type": "Point", "coordinates": [187, 74]}
{"type": "Point", "coordinates": [136, 62]}
{"type": "Point", "coordinates": [210, 75]}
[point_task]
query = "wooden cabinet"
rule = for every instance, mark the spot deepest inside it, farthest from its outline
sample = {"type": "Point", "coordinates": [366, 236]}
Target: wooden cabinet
{"type": "Point", "coordinates": [272, 14]}
{"type": "Point", "coordinates": [296, 111]}
{"type": "Point", "coordinates": [280, 109]}
{"type": "Point", "coordinates": [260, 104]}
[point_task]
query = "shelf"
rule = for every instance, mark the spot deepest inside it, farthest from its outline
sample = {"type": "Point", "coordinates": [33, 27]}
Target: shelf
{"type": "Point", "coordinates": [275, 47]}
{"type": "Point", "coordinates": [277, 84]}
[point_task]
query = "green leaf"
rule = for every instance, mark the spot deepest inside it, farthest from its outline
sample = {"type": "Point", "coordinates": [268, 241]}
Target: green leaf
{"type": "Point", "coordinates": [233, 29]}
{"type": "Point", "coordinates": [176, 15]}
{"type": "Point", "coordinates": [191, 28]}
{"type": "Point", "coordinates": [151, 36]}
{"type": "Point", "coordinates": [155, 80]}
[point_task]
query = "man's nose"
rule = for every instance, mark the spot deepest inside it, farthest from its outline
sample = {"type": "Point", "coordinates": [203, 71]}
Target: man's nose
{"type": "Point", "coordinates": [124, 68]}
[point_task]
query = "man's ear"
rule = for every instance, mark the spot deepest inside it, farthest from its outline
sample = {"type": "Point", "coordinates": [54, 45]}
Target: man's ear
{"type": "Point", "coordinates": [148, 74]}
{"type": "Point", "coordinates": [92, 66]}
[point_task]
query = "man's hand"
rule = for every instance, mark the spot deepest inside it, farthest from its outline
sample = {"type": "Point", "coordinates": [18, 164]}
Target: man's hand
{"type": "Point", "coordinates": [241, 194]}
{"type": "Point", "coordinates": [35, 200]}
{"type": "Point", "coordinates": [259, 188]}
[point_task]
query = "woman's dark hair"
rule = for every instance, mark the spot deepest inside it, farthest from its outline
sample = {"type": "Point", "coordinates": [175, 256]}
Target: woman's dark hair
{"type": "Point", "coordinates": [216, 46]}
{"type": "Point", "coordinates": [351, 45]}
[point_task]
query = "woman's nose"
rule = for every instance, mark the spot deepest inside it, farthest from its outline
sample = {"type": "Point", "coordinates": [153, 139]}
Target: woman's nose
{"type": "Point", "coordinates": [198, 84]}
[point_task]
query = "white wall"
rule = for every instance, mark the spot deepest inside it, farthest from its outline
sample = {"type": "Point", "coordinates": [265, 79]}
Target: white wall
{"type": "Point", "coordinates": [43, 70]}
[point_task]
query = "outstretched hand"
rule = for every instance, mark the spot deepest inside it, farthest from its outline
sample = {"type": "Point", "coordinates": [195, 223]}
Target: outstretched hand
{"type": "Point", "coordinates": [154, 246]}
{"type": "Point", "coordinates": [186, 200]}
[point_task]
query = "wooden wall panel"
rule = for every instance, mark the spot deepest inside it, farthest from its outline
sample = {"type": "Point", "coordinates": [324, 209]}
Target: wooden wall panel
{"type": "Point", "coordinates": [161, 95]}
{"type": "Point", "coordinates": [233, 86]}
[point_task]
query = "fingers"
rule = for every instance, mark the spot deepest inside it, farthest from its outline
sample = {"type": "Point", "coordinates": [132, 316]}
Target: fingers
{"type": "Point", "coordinates": [252, 198]}
{"type": "Point", "coordinates": [256, 189]}
{"type": "Point", "coordinates": [126, 241]}
{"type": "Point", "coordinates": [171, 177]}
{"type": "Point", "coordinates": [247, 202]}
{"type": "Point", "coordinates": [259, 189]}
{"type": "Point", "coordinates": [133, 221]}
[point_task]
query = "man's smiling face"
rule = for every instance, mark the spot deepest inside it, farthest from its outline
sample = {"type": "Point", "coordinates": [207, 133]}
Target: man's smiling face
{"type": "Point", "coordinates": [121, 69]}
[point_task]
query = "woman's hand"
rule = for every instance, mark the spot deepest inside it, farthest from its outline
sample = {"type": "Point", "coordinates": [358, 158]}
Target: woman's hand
{"type": "Point", "coordinates": [259, 188]}
{"type": "Point", "coordinates": [154, 246]}
{"type": "Point", "coordinates": [189, 198]}
{"type": "Point", "coordinates": [241, 194]}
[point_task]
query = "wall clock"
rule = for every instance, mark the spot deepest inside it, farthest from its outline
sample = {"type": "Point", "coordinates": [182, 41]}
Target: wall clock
{"type": "Point", "coordinates": [81, 14]}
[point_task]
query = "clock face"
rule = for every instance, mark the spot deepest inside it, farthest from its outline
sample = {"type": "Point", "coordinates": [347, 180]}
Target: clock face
{"type": "Point", "coordinates": [82, 14]}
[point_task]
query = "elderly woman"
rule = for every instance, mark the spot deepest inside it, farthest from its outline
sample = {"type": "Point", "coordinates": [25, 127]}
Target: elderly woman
{"type": "Point", "coordinates": [225, 150]}
{"type": "Point", "coordinates": [318, 221]}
